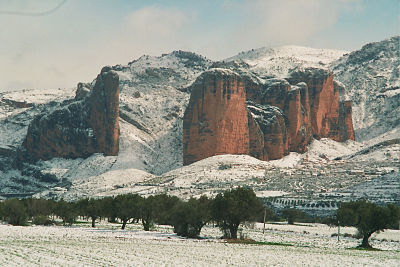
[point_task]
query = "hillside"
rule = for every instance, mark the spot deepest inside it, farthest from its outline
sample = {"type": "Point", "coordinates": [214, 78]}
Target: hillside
{"type": "Point", "coordinates": [153, 98]}
{"type": "Point", "coordinates": [278, 61]}
{"type": "Point", "coordinates": [372, 79]}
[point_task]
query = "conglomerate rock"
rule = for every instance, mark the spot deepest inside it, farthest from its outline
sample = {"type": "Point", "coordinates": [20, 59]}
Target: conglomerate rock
{"type": "Point", "coordinates": [87, 125]}
{"type": "Point", "coordinates": [216, 120]}
{"type": "Point", "coordinates": [280, 117]}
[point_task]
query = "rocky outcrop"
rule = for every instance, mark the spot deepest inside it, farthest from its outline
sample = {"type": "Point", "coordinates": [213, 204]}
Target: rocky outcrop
{"type": "Point", "coordinates": [273, 125]}
{"type": "Point", "coordinates": [216, 120]}
{"type": "Point", "coordinates": [280, 117]}
{"type": "Point", "coordinates": [104, 111]}
{"type": "Point", "coordinates": [324, 100]}
{"type": "Point", "coordinates": [346, 130]}
{"type": "Point", "coordinates": [87, 125]}
{"type": "Point", "coordinates": [297, 110]}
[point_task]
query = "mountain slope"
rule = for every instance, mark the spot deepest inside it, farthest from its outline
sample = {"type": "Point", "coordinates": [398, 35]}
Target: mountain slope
{"type": "Point", "coordinates": [278, 61]}
{"type": "Point", "coordinates": [372, 78]}
{"type": "Point", "coordinates": [153, 98]}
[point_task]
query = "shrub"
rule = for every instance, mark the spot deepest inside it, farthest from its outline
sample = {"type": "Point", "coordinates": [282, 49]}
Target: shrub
{"type": "Point", "coordinates": [14, 212]}
{"type": "Point", "coordinates": [42, 220]}
{"type": "Point", "coordinates": [224, 166]}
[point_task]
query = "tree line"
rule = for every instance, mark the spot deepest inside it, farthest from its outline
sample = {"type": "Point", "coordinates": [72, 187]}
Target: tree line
{"type": "Point", "coordinates": [227, 211]}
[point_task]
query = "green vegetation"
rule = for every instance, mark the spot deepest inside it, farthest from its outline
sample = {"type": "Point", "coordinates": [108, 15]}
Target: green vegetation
{"type": "Point", "coordinates": [234, 207]}
{"type": "Point", "coordinates": [228, 210]}
{"type": "Point", "coordinates": [368, 218]}
{"type": "Point", "coordinates": [188, 218]}
{"type": "Point", "coordinates": [14, 212]}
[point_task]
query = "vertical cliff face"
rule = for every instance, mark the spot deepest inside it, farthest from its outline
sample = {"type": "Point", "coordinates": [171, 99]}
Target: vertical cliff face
{"type": "Point", "coordinates": [63, 133]}
{"type": "Point", "coordinates": [323, 98]}
{"type": "Point", "coordinates": [346, 130]}
{"type": "Point", "coordinates": [273, 125]}
{"type": "Point", "coordinates": [275, 93]}
{"type": "Point", "coordinates": [277, 117]}
{"type": "Point", "coordinates": [297, 112]}
{"type": "Point", "coordinates": [87, 125]}
{"type": "Point", "coordinates": [216, 120]}
{"type": "Point", "coordinates": [104, 112]}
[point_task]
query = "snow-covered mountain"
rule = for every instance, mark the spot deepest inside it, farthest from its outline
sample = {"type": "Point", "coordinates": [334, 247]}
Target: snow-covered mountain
{"type": "Point", "coordinates": [278, 61]}
{"type": "Point", "coordinates": [153, 98]}
{"type": "Point", "coordinates": [372, 79]}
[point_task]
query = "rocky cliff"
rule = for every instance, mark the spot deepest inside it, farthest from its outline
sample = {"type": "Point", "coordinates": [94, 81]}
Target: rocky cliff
{"type": "Point", "coordinates": [233, 112]}
{"type": "Point", "coordinates": [372, 79]}
{"type": "Point", "coordinates": [86, 125]}
{"type": "Point", "coordinates": [216, 120]}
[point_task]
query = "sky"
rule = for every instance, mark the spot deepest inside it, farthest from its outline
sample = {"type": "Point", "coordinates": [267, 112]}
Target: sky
{"type": "Point", "coordinates": [58, 43]}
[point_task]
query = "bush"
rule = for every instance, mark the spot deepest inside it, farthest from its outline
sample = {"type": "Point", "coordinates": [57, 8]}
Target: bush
{"type": "Point", "coordinates": [42, 220]}
{"type": "Point", "coordinates": [14, 212]}
{"type": "Point", "coordinates": [223, 166]}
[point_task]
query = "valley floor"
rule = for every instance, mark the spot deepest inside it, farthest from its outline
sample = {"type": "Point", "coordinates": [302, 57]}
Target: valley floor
{"type": "Point", "coordinates": [107, 245]}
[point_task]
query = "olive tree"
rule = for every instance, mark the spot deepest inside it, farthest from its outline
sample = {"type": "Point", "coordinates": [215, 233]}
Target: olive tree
{"type": "Point", "coordinates": [367, 217]}
{"type": "Point", "coordinates": [234, 207]}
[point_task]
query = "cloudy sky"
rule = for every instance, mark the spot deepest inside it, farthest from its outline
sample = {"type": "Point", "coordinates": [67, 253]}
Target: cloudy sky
{"type": "Point", "coordinates": [57, 43]}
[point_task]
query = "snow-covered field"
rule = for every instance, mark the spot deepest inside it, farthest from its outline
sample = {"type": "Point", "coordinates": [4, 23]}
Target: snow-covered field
{"type": "Point", "coordinates": [107, 245]}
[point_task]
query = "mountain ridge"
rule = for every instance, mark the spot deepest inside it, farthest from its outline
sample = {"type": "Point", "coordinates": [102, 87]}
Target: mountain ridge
{"type": "Point", "coordinates": [153, 97]}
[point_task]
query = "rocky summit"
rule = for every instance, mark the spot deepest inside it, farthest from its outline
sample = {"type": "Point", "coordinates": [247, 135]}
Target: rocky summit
{"type": "Point", "coordinates": [239, 113]}
{"type": "Point", "coordinates": [80, 127]}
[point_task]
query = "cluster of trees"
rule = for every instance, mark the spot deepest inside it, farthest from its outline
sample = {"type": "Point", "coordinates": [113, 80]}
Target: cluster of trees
{"type": "Point", "coordinates": [227, 210]}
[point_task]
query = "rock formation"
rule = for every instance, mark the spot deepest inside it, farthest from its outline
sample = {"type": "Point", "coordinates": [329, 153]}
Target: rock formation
{"type": "Point", "coordinates": [104, 112]}
{"type": "Point", "coordinates": [346, 131]}
{"type": "Point", "coordinates": [273, 125]}
{"type": "Point", "coordinates": [216, 120]}
{"type": "Point", "coordinates": [233, 112]}
{"type": "Point", "coordinates": [87, 125]}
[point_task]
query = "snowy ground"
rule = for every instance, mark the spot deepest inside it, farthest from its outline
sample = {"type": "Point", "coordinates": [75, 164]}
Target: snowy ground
{"type": "Point", "coordinates": [312, 245]}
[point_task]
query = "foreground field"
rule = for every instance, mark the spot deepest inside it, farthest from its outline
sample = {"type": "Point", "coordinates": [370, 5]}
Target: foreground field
{"type": "Point", "coordinates": [300, 245]}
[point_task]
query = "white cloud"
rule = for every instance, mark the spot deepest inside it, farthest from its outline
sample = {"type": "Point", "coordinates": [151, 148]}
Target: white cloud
{"type": "Point", "coordinates": [67, 47]}
{"type": "Point", "coordinates": [275, 22]}
{"type": "Point", "coordinates": [40, 55]}
{"type": "Point", "coordinates": [155, 21]}
{"type": "Point", "coordinates": [152, 30]}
